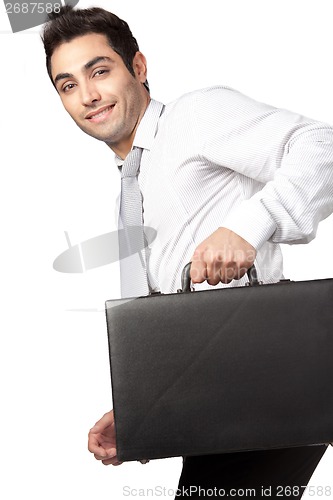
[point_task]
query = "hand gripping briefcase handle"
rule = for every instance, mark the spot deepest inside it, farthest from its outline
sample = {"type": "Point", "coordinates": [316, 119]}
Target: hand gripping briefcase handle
{"type": "Point", "coordinates": [186, 278]}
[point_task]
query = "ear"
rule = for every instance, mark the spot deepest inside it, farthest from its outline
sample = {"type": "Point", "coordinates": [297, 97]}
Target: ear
{"type": "Point", "coordinates": [140, 67]}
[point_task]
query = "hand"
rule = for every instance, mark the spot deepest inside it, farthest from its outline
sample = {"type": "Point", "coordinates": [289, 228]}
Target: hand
{"type": "Point", "coordinates": [102, 440]}
{"type": "Point", "coordinates": [223, 256]}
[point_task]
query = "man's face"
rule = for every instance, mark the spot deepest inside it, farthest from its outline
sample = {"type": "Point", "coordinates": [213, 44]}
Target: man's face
{"type": "Point", "coordinates": [98, 91]}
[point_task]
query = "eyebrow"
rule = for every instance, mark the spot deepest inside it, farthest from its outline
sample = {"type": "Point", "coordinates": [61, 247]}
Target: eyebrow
{"type": "Point", "coordinates": [88, 65]}
{"type": "Point", "coordinates": [96, 60]}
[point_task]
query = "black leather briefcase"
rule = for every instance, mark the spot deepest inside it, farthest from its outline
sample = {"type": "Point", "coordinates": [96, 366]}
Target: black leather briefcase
{"type": "Point", "coordinates": [222, 370]}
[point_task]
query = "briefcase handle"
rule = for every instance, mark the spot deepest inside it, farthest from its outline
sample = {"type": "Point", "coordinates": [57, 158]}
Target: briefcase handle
{"type": "Point", "coordinates": [186, 278]}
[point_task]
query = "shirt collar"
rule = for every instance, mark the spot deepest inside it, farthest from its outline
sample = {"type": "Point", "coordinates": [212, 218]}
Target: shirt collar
{"type": "Point", "coordinates": [147, 128]}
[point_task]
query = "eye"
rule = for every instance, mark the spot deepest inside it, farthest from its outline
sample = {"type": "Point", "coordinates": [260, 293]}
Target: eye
{"type": "Point", "coordinates": [68, 87]}
{"type": "Point", "coordinates": [100, 72]}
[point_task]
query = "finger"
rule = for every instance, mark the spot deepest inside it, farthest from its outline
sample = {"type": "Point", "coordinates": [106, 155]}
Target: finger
{"type": "Point", "coordinates": [198, 268]}
{"type": "Point", "coordinates": [214, 271]}
{"type": "Point", "coordinates": [111, 461]}
{"type": "Point", "coordinates": [93, 441]}
{"type": "Point", "coordinates": [101, 457]}
{"type": "Point", "coordinates": [102, 454]}
{"type": "Point", "coordinates": [227, 274]}
{"type": "Point", "coordinates": [95, 446]}
{"type": "Point", "coordinates": [235, 271]}
{"type": "Point", "coordinates": [241, 271]}
{"type": "Point", "coordinates": [97, 450]}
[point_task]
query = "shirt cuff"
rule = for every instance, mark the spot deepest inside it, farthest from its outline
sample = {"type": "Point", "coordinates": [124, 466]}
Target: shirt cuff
{"type": "Point", "coordinates": [252, 222]}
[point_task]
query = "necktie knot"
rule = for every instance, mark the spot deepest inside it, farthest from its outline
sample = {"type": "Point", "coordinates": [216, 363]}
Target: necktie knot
{"type": "Point", "coordinates": [131, 164]}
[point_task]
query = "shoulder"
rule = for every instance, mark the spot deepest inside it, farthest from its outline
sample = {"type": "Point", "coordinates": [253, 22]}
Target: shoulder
{"type": "Point", "coordinates": [217, 102]}
{"type": "Point", "coordinates": [195, 97]}
{"type": "Point", "coordinates": [197, 106]}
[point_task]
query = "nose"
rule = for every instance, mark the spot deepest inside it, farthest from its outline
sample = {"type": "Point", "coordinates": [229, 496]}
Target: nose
{"type": "Point", "coordinates": [89, 94]}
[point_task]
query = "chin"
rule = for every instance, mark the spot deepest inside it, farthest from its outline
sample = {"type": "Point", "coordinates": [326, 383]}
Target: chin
{"type": "Point", "coordinates": [94, 134]}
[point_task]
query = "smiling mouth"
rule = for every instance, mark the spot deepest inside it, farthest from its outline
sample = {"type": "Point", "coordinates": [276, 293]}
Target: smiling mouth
{"type": "Point", "coordinates": [101, 113]}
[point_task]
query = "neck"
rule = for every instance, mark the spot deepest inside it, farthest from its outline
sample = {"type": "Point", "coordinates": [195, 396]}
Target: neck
{"type": "Point", "coordinates": [123, 147]}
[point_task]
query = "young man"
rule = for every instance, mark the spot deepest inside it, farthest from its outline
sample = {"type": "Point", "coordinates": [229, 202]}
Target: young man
{"type": "Point", "coordinates": [224, 179]}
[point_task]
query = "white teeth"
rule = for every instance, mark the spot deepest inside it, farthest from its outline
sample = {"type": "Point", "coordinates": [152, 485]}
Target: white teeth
{"type": "Point", "coordinates": [102, 112]}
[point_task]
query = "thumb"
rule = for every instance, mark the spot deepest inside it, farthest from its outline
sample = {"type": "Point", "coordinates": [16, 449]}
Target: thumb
{"type": "Point", "coordinates": [106, 421]}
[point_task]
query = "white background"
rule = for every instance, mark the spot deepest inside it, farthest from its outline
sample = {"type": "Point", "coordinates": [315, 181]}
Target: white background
{"type": "Point", "coordinates": [55, 379]}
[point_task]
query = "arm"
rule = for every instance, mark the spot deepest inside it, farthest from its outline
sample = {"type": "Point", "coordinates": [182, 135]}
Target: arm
{"type": "Point", "coordinates": [288, 157]}
{"type": "Point", "coordinates": [298, 195]}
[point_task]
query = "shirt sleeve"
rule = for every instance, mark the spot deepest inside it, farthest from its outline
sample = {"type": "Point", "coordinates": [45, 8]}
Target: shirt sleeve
{"type": "Point", "coordinates": [289, 157]}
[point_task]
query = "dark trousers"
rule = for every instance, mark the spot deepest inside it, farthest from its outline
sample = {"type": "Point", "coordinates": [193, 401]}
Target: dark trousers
{"type": "Point", "coordinates": [282, 473]}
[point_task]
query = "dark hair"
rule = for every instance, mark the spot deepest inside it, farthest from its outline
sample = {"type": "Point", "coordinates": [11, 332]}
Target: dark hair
{"type": "Point", "coordinates": [69, 23]}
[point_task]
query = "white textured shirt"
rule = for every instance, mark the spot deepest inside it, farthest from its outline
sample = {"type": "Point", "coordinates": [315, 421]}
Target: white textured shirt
{"type": "Point", "coordinates": [216, 158]}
